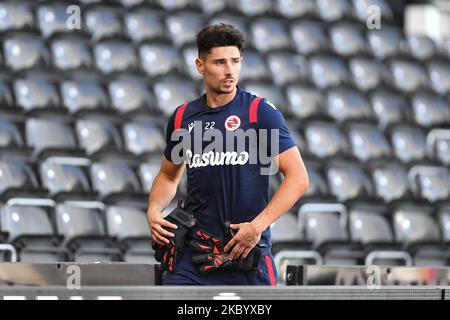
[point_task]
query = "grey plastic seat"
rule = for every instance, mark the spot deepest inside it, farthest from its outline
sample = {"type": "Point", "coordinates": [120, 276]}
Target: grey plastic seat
{"type": "Point", "coordinates": [35, 93]}
{"type": "Point", "coordinates": [268, 34]}
{"type": "Point", "coordinates": [327, 71]}
{"type": "Point", "coordinates": [212, 6]}
{"type": "Point", "coordinates": [325, 139]}
{"type": "Point", "coordinates": [127, 222]}
{"type": "Point", "coordinates": [415, 225]}
{"type": "Point", "coordinates": [304, 101]}
{"type": "Point", "coordinates": [345, 103]}
{"type": "Point", "coordinates": [322, 227]}
{"type": "Point", "coordinates": [421, 47]}
{"type": "Point", "coordinates": [96, 134]}
{"type": "Point", "coordinates": [10, 135]}
{"type": "Point", "coordinates": [24, 51]}
{"type": "Point", "coordinates": [409, 143]}
{"type": "Point", "coordinates": [65, 175]}
{"type": "Point", "coordinates": [368, 226]}
{"type": "Point", "coordinates": [6, 97]}
{"type": "Point", "coordinates": [190, 53]}
{"type": "Point", "coordinates": [438, 143]}
{"type": "Point", "coordinates": [268, 91]}
{"type": "Point", "coordinates": [125, 3]}
{"type": "Point", "coordinates": [147, 173]}
{"type": "Point", "coordinates": [333, 10]}
{"type": "Point", "coordinates": [129, 93]}
{"type": "Point", "coordinates": [385, 42]}
{"type": "Point", "coordinates": [83, 94]}
{"type": "Point", "coordinates": [52, 19]}
{"type": "Point", "coordinates": [285, 229]}
{"type": "Point", "coordinates": [429, 109]}
{"type": "Point", "coordinates": [17, 174]}
{"type": "Point", "coordinates": [368, 142]}
{"type": "Point", "coordinates": [114, 176]}
{"type": "Point", "coordinates": [103, 22]}
{"type": "Point", "coordinates": [286, 68]}
{"type": "Point", "coordinates": [144, 25]}
{"type": "Point", "coordinates": [347, 181]}
{"type": "Point", "coordinates": [309, 36]}
{"type": "Point", "coordinates": [388, 106]}
{"type": "Point", "coordinates": [390, 181]}
{"type": "Point", "coordinates": [183, 27]}
{"type": "Point", "coordinates": [159, 58]}
{"type": "Point", "coordinates": [49, 133]}
{"type": "Point", "coordinates": [408, 76]}
{"type": "Point", "coordinates": [254, 67]}
{"type": "Point", "coordinates": [361, 8]}
{"type": "Point", "coordinates": [295, 9]}
{"type": "Point", "coordinates": [443, 218]}
{"type": "Point", "coordinates": [15, 16]}
{"type": "Point", "coordinates": [114, 56]}
{"type": "Point", "coordinates": [367, 73]}
{"type": "Point", "coordinates": [174, 4]}
{"type": "Point", "coordinates": [27, 225]}
{"type": "Point", "coordinates": [250, 8]}
{"type": "Point", "coordinates": [347, 39]}
{"type": "Point", "coordinates": [439, 73]}
{"type": "Point", "coordinates": [431, 183]}
{"type": "Point", "coordinates": [70, 53]}
{"type": "Point", "coordinates": [143, 135]}
{"type": "Point", "coordinates": [171, 92]}
{"type": "Point", "coordinates": [80, 226]}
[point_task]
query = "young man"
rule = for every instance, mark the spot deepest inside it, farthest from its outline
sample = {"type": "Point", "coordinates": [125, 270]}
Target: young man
{"type": "Point", "coordinates": [225, 186]}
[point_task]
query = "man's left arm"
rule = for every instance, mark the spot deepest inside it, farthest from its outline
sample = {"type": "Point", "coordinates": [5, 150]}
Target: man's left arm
{"type": "Point", "coordinates": [293, 186]}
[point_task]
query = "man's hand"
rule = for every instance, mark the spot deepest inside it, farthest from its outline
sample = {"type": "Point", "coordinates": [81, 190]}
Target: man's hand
{"type": "Point", "coordinates": [157, 222]}
{"type": "Point", "coordinates": [247, 236]}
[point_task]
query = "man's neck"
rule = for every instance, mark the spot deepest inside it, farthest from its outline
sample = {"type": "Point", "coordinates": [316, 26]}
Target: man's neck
{"type": "Point", "coordinates": [214, 100]}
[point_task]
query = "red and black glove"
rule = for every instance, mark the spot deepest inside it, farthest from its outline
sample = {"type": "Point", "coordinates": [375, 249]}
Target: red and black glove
{"type": "Point", "coordinates": [169, 254]}
{"type": "Point", "coordinates": [209, 255]}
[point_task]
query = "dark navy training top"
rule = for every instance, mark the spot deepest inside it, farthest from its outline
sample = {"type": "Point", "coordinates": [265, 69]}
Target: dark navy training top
{"type": "Point", "coordinates": [227, 185]}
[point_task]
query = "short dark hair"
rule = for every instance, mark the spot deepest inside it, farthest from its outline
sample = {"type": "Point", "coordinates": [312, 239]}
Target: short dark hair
{"type": "Point", "coordinates": [219, 35]}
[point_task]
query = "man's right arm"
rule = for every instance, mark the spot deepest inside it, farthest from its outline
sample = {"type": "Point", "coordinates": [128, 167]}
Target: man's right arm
{"type": "Point", "coordinates": [163, 190]}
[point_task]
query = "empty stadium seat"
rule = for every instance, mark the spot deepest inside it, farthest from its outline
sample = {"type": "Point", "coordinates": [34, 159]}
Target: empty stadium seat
{"type": "Point", "coordinates": [347, 104]}
{"type": "Point", "coordinates": [268, 34]}
{"type": "Point", "coordinates": [190, 53]}
{"type": "Point", "coordinates": [172, 92]}
{"type": "Point", "coordinates": [103, 22]}
{"type": "Point", "coordinates": [52, 19]}
{"type": "Point", "coordinates": [368, 142]}
{"type": "Point", "coordinates": [251, 8]}
{"type": "Point", "coordinates": [421, 47]}
{"type": "Point", "coordinates": [24, 51]}
{"type": "Point", "coordinates": [409, 143]}
{"type": "Point", "coordinates": [304, 101]}
{"type": "Point", "coordinates": [35, 93]}
{"type": "Point", "coordinates": [347, 39]}
{"type": "Point", "coordinates": [361, 8]}
{"type": "Point", "coordinates": [16, 16]}
{"type": "Point", "coordinates": [254, 66]}
{"type": "Point", "coordinates": [325, 140]}
{"type": "Point", "coordinates": [430, 183]}
{"type": "Point", "coordinates": [183, 27]}
{"type": "Point", "coordinates": [439, 73]}
{"type": "Point", "coordinates": [130, 93]}
{"type": "Point", "coordinates": [388, 106]}
{"type": "Point", "coordinates": [10, 135]}
{"type": "Point", "coordinates": [327, 71]}
{"type": "Point", "coordinates": [114, 56]}
{"type": "Point", "coordinates": [65, 174]}
{"type": "Point", "coordinates": [367, 73]}
{"type": "Point", "coordinates": [318, 187]}
{"type": "Point", "coordinates": [174, 5]}
{"type": "Point", "coordinates": [97, 134]}
{"type": "Point", "coordinates": [212, 6]}
{"type": "Point", "coordinates": [144, 25]}
{"type": "Point", "coordinates": [309, 36]}
{"type": "Point", "coordinates": [114, 176]}
{"type": "Point", "coordinates": [49, 133]}
{"type": "Point", "coordinates": [143, 136]}
{"type": "Point", "coordinates": [70, 53]}
{"type": "Point", "coordinates": [294, 8]}
{"type": "Point", "coordinates": [390, 181]}
{"type": "Point", "coordinates": [17, 173]}
{"type": "Point", "coordinates": [347, 181]}
{"type": "Point", "coordinates": [443, 218]}
{"type": "Point", "coordinates": [333, 10]}
{"type": "Point", "coordinates": [286, 67]}
{"type": "Point", "coordinates": [285, 229]}
{"type": "Point", "coordinates": [6, 97]}
{"type": "Point", "coordinates": [438, 143]}
{"type": "Point", "coordinates": [159, 58]}
{"type": "Point", "coordinates": [83, 94]}
{"type": "Point", "coordinates": [385, 42]}
{"type": "Point", "coordinates": [148, 171]}
{"type": "Point", "coordinates": [429, 109]}
{"type": "Point", "coordinates": [407, 75]}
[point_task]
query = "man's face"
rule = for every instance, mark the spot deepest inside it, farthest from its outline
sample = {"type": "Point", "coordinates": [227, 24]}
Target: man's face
{"type": "Point", "coordinates": [220, 68]}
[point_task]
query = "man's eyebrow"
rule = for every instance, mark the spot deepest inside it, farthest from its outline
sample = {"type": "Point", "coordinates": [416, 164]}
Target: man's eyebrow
{"type": "Point", "coordinates": [223, 59]}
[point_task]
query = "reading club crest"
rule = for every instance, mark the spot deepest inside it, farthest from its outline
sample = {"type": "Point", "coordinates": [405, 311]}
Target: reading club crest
{"type": "Point", "coordinates": [232, 123]}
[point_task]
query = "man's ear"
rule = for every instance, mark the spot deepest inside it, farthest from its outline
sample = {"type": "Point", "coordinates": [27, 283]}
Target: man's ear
{"type": "Point", "coordinates": [200, 66]}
